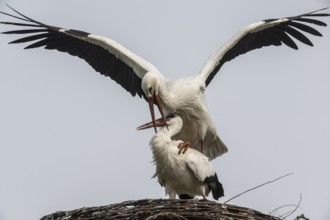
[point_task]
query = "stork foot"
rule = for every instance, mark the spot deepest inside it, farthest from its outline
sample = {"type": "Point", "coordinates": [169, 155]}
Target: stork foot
{"type": "Point", "coordinates": [204, 199]}
{"type": "Point", "coordinates": [183, 147]}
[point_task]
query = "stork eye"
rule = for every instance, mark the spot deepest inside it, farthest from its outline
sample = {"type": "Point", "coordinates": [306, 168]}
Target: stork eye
{"type": "Point", "coordinates": [172, 115]}
{"type": "Point", "coordinates": [150, 90]}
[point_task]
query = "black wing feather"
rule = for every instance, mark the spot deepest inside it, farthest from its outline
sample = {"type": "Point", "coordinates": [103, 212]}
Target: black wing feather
{"type": "Point", "coordinates": [297, 35]}
{"type": "Point", "coordinates": [285, 38]}
{"type": "Point", "coordinates": [305, 28]}
{"type": "Point", "coordinates": [275, 36]}
{"type": "Point", "coordinates": [24, 31]}
{"type": "Point", "coordinates": [18, 24]}
{"type": "Point", "coordinates": [29, 38]}
{"type": "Point", "coordinates": [311, 21]}
{"type": "Point", "coordinates": [50, 37]}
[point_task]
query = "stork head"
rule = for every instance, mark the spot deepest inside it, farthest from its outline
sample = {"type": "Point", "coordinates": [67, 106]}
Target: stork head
{"type": "Point", "coordinates": [150, 86]}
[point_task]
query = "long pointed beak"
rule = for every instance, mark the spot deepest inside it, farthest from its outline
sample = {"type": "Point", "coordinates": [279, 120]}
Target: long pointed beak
{"type": "Point", "coordinates": [152, 111]}
{"type": "Point", "coordinates": [160, 108]}
{"type": "Point", "coordinates": [158, 123]}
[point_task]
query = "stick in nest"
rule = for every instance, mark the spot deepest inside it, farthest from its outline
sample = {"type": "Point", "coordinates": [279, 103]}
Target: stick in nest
{"type": "Point", "coordinates": [284, 216]}
{"type": "Point", "coordinates": [258, 187]}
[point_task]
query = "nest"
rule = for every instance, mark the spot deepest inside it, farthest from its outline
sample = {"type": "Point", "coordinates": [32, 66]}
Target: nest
{"type": "Point", "coordinates": [151, 209]}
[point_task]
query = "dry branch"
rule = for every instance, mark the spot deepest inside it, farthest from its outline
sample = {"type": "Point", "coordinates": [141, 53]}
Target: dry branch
{"type": "Point", "coordinates": [152, 209]}
{"type": "Point", "coordinates": [256, 187]}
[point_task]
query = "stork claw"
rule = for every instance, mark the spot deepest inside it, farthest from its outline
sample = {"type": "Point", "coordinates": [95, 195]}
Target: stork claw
{"type": "Point", "coordinates": [183, 147]}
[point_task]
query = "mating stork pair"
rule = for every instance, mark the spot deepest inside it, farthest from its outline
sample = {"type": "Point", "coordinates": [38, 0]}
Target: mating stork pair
{"type": "Point", "coordinates": [183, 96]}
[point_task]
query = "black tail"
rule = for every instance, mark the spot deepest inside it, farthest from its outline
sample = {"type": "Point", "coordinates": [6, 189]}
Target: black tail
{"type": "Point", "coordinates": [215, 186]}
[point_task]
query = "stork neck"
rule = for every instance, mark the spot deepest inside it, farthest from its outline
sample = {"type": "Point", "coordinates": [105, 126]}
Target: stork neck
{"type": "Point", "coordinates": [172, 130]}
{"type": "Point", "coordinates": [164, 94]}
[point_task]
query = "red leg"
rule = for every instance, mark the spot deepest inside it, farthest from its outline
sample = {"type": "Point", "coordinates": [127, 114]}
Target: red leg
{"type": "Point", "coordinates": [183, 147]}
{"type": "Point", "coordinates": [202, 146]}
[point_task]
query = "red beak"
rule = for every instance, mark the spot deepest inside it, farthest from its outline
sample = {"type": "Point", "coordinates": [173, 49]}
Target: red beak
{"type": "Point", "coordinates": [158, 123]}
{"type": "Point", "coordinates": [152, 112]}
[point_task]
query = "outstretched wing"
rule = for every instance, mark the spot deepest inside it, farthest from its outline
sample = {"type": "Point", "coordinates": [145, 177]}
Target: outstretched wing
{"type": "Point", "coordinates": [105, 55]}
{"type": "Point", "coordinates": [261, 34]}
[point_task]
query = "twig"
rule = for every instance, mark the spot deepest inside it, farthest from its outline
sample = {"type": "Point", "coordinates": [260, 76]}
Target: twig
{"type": "Point", "coordinates": [281, 207]}
{"type": "Point", "coordinates": [257, 187]}
{"type": "Point", "coordinates": [285, 215]}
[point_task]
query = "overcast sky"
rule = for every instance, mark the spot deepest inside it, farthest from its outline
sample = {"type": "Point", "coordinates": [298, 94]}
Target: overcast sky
{"type": "Point", "coordinates": [68, 136]}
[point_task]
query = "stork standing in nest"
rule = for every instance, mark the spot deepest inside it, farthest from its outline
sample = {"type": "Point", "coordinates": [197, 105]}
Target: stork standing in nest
{"type": "Point", "coordinates": [186, 174]}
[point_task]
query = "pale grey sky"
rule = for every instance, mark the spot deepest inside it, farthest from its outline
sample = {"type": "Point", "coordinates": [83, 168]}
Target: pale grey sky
{"type": "Point", "coordinates": [68, 135]}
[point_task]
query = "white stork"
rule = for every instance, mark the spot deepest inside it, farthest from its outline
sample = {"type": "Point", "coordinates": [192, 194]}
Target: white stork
{"type": "Point", "coordinates": [139, 77]}
{"type": "Point", "coordinates": [186, 175]}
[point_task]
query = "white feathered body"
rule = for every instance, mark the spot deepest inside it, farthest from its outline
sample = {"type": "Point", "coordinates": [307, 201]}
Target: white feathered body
{"type": "Point", "coordinates": [186, 96]}
{"type": "Point", "coordinates": [179, 173]}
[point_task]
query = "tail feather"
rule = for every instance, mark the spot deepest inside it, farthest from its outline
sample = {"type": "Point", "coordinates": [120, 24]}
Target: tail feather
{"type": "Point", "coordinates": [215, 186]}
{"type": "Point", "coordinates": [214, 146]}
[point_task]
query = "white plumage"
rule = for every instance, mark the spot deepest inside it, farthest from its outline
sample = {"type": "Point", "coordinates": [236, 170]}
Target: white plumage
{"type": "Point", "coordinates": [190, 174]}
{"type": "Point", "coordinates": [138, 76]}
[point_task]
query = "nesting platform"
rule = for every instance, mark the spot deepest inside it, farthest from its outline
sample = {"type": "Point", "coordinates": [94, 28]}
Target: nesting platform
{"type": "Point", "coordinates": [152, 209]}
